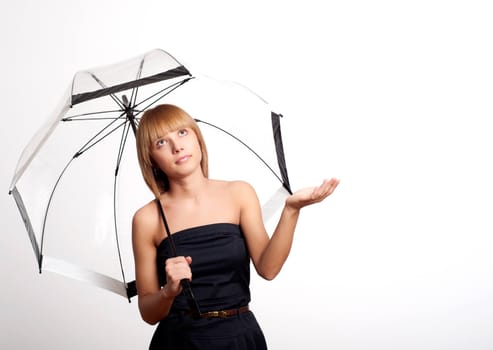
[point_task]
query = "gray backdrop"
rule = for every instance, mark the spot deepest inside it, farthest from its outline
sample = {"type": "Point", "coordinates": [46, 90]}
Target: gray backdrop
{"type": "Point", "coordinates": [392, 97]}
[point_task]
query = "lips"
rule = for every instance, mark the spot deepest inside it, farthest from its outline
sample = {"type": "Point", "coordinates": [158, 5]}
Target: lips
{"type": "Point", "coordinates": [183, 159]}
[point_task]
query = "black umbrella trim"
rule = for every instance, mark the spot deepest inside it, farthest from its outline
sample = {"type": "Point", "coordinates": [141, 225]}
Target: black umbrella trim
{"type": "Point", "coordinates": [170, 74]}
{"type": "Point", "coordinates": [281, 160]}
{"type": "Point", "coordinates": [25, 218]}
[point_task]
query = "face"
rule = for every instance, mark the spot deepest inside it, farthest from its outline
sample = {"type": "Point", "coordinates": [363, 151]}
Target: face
{"type": "Point", "coordinates": [177, 153]}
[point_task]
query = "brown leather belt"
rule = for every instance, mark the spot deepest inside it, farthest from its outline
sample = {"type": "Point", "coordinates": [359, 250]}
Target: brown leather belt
{"type": "Point", "coordinates": [224, 313]}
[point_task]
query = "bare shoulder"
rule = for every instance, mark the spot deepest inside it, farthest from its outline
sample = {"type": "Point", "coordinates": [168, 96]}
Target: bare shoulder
{"type": "Point", "coordinates": [145, 221]}
{"type": "Point", "coordinates": [143, 213]}
{"type": "Point", "coordinates": [236, 186]}
{"type": "Point", "coordinates": [229, 186]}
{"type": "Point", "coordinates": [242, 190]}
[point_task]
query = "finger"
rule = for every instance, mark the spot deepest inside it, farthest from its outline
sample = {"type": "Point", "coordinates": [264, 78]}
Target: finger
{"type": "Point", "coordinates": [321, 188]}
{"type": "Point", "coordinates": [325, 189]}
{"type": "Point", "coordinates": [332, 184]}
{"type": "Point", "coordinates": [318, 194]}
{"type": "Point", "coordinates": [177, 260]}
{"type": "Point", "coordinates": [178, 268]}
{"type": "Point", "coordinates": [175, 276]}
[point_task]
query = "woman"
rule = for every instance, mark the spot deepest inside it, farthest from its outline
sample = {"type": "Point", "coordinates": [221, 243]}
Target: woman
{"type": "Point", "coordinates": [217, 228]}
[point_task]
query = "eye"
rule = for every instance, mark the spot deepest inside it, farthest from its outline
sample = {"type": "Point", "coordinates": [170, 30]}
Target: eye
{"type": "Point", "coordinates": [161, 143]}
{"type": "Point", "coordinates": [183, 132]}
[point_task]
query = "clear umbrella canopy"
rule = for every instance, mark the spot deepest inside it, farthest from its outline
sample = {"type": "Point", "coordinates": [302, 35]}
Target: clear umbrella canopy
{"type": "Point", "coordinates": [78, 183]}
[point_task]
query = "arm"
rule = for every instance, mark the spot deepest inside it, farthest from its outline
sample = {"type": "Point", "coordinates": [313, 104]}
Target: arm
{"type": "Point", "coordinates": [154, 302]}
{"type": "Point", "coordinates": [269, 255]}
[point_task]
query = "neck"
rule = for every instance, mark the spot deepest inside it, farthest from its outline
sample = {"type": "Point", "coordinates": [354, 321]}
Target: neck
{"type": "Point", "coordinates": [187, 187]}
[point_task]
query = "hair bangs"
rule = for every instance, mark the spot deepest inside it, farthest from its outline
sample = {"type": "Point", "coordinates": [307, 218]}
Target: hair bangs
{"type": "Point", "coordinates": [161, 122]}
{"type": "Point", "coordinates": [154, 124]}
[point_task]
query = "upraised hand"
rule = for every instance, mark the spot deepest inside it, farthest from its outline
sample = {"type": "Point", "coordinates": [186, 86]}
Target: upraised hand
{"type": "Point", "coordinates": [311, 195]}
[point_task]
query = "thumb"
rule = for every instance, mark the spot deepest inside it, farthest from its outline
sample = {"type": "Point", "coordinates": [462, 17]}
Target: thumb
{"type": "Point", "coordinates": [188, 259]}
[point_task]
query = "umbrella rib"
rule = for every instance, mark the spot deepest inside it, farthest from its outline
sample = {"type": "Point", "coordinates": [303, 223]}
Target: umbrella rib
{"type": "Point", "coordinates": [133, 97]}
{"type": "Point", "coordinates": [165, 91]}
{"type": "Point", "coordinates": [123, 141]}
{"type": "Point", "coordinates": [77, 154]}
{"type": "Point", "coordinates": [89, 119]}
{"type": "Point", "coordinates": [58, 181]}
{"type": "Point", "coordinates": [95, 140]}
{"type": "Point", "coordinates": [113, 96]}
{"type": "Point", "coordinates": [244, 144]}
{"type": "Point", "coordinates": [49, 203]}
{"type": "Point", "coordinates": [77, 117]}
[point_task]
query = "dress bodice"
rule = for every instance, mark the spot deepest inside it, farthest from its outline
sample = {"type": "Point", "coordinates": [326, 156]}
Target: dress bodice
{"type": "Point", "coordinates": [220, 265]}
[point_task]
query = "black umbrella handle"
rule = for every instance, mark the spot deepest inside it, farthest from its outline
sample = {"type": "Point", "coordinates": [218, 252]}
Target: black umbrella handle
{"type": "Point", "coordinates": [192, 302]}
{"type": "Point", "coordinates": [187, 288]}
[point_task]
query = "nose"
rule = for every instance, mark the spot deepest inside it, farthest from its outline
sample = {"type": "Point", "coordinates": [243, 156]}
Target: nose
{"type": "Point", "coordinates": [177, 148]}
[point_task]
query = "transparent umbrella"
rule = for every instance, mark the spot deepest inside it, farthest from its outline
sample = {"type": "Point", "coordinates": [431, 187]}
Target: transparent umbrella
{"type": "Point", "coordinates": [78, 182]}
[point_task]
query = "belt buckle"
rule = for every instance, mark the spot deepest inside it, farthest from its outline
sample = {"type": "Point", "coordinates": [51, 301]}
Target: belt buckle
{"type": "Point", "coordinates": [219, 314]}
{"type": "Point", "coordinates": [223, 314]}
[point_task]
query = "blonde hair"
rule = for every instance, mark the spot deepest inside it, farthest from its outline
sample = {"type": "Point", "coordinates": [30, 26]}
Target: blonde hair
{"type": "Point", "coordinates": [155, 123]}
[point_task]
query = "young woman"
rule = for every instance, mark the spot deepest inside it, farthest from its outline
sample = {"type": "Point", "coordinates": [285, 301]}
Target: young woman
{"type": "Point", "coordinates": [217, 229]}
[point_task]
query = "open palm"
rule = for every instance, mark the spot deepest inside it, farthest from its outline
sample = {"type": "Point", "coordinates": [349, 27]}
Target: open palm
{"type": "Point", "coordinates": [311, 195]}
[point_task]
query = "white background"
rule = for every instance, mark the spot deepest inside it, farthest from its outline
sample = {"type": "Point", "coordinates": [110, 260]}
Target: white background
{"type": "Point", "coordinates": [393, 97]}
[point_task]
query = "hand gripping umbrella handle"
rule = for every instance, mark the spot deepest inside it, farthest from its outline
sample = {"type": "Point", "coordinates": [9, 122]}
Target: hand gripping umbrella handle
{"type": "Point", "coordinates": [185, 283]}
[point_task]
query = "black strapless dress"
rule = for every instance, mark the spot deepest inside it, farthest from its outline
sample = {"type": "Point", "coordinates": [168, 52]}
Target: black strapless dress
{"type": "Point", "coordinates": [220, 281]}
